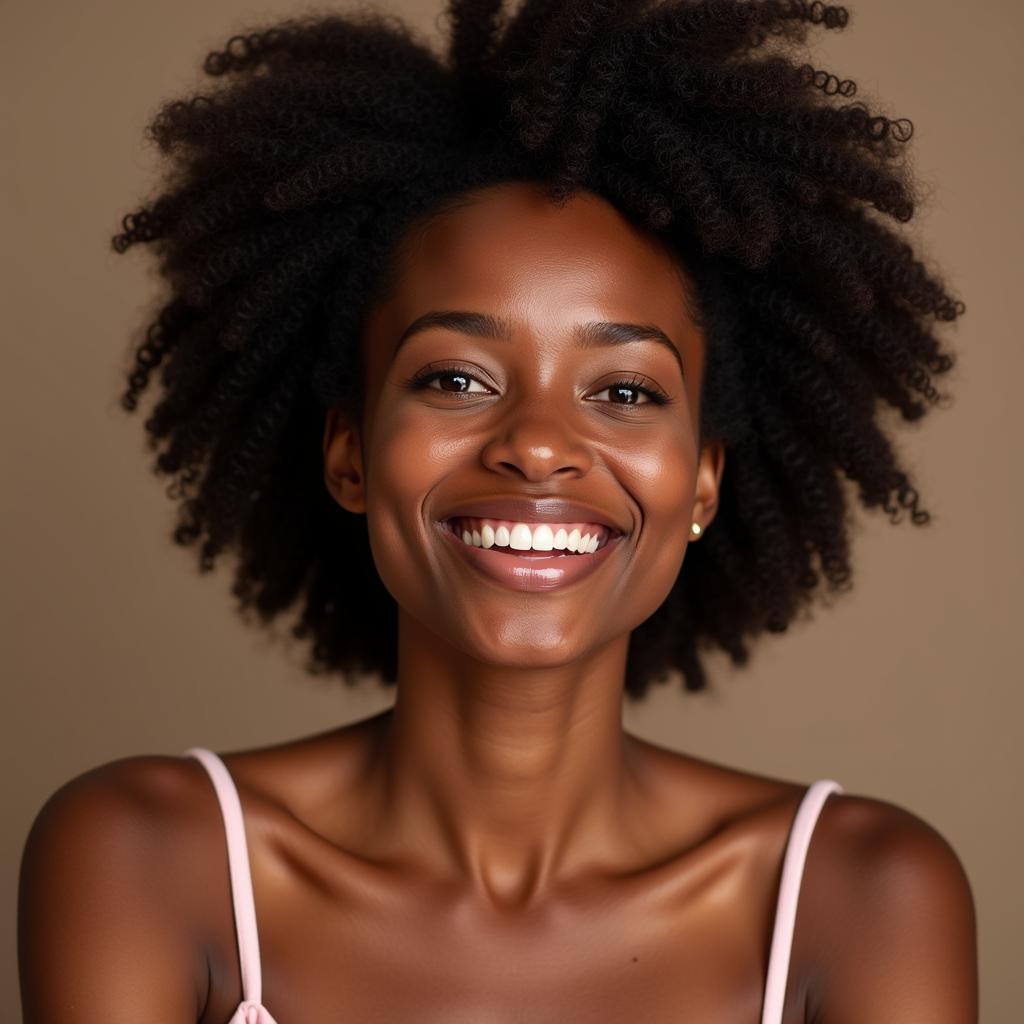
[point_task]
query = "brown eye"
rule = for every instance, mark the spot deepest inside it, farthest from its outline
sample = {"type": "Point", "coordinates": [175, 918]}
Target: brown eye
{"type": "Point", "coordinates": [631, 392]}
{"type": "Point", "coordinates": [461, 382]}
{"type": "Point", "coordinates": [456, 382]}
{"type": "Point", "coordinates": [623, 394]}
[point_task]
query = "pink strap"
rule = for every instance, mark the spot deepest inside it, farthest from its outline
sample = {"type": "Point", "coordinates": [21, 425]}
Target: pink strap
{"type": "Point", "coordinates": [238, 867]}
{"type": "Point", "coordinates": [789, 890]}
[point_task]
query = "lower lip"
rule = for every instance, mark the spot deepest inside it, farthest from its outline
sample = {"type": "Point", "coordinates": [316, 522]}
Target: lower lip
{"type": "Point", "coordinates": [530, 572]}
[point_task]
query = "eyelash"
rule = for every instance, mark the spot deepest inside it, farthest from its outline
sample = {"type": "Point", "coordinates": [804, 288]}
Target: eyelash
{"type": "Point", "coordinates": [420, 381]}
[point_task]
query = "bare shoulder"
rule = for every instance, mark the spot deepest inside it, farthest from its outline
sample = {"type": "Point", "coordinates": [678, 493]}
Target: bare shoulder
{"type": "Point", "coordinates": [890, 856]}
{"type": "Point", "coordinates": [107, 878]}
{"type": "Point", "coordinates": [141, 800]}
{"type": "Point", "coordinates": [880, 837]}
{"type": "Point", "coordinates": [895, 927]}
{"type": "Point", "coordinates": [886, 927]}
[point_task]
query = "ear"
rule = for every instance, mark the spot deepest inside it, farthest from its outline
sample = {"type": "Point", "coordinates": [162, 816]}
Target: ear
{"type": "Point", "coordinates": [343, 461]}
{"type": "Point", "coordinates": [710, 465]}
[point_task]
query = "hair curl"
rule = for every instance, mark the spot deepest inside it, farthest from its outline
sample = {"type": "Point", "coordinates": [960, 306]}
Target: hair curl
{"type": "Point", "coordinates": [290, 185]}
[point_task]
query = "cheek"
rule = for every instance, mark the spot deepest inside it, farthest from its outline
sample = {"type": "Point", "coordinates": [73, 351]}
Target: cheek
{"type": "Point", "coordinates": [408, 457]}
{"type": "Point", "coordinates": [662, 479]}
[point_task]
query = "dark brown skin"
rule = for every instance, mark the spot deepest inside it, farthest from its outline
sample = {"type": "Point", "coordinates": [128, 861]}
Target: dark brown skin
{"type": "Point", "coordinates": [496, 847]}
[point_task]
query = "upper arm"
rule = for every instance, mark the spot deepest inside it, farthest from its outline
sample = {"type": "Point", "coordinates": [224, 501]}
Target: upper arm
{"type": "Point", "coordinates": [903, 944]}
{"type": "Point", "coordinates": [101, 937]}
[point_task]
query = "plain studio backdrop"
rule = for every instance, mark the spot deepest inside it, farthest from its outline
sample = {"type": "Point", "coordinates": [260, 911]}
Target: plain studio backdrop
{"type": "Point", "coordinates": [906, 690]}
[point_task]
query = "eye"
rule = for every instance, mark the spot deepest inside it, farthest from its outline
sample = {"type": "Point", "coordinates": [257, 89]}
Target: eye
{"type": "Point", "coordinates": [462, 380]}
{"type": "Point", "coordinates": [620, 391]}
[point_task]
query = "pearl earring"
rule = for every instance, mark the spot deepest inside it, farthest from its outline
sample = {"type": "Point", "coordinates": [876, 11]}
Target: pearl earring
{"type": "Point", "coordinates": [695, 529]}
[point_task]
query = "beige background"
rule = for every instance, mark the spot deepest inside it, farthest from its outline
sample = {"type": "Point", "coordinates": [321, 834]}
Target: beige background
{"type": "Point", "coordinates": [113, 645]}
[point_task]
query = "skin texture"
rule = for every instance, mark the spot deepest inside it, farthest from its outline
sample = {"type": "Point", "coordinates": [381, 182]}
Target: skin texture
{"type": "Point", "coordinates": [496, 847]}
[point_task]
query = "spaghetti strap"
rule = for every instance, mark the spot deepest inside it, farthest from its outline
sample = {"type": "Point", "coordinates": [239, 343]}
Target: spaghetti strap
{"type": "Point", "coordinates": [789, 891]}
{"type": "Point", "coordinates": [241, 878]}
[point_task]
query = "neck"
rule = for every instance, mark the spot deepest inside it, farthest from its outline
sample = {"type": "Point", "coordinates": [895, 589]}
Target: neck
{"type": "Point", "coordinates": [510, 778]}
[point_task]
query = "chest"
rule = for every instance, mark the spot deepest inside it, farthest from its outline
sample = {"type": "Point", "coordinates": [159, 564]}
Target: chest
{"type": "Point", "coordinates": [690, 944]}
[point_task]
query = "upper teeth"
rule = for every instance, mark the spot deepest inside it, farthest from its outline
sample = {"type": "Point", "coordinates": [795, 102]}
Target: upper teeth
{"type": "Point", "coordinates": [538, 537]}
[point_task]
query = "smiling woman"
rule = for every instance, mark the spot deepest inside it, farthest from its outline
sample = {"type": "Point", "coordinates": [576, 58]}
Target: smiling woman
{"type": "Point", "coordinates": [460, 355]}
{"type": "Point", "coordinates": [297, 181]}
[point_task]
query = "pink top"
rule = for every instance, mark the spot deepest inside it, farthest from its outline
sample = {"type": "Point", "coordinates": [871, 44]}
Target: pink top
{"type": "Point", "coordinates": [252, 1011]}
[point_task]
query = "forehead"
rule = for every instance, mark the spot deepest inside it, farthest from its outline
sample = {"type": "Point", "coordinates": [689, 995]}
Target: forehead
{"type": "Point", "coordinates": [510, 249]}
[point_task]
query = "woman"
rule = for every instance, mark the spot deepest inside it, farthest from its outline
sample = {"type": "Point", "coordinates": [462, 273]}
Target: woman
{"type": "Point", "coordinates": [467, 356]}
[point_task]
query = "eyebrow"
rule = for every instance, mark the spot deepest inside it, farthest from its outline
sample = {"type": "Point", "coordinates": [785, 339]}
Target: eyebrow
{"type": "Point", "coordinates": [586, 335]}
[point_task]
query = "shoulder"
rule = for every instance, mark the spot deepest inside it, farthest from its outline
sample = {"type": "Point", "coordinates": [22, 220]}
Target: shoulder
{"type": "Point", "coordinates": [106, 874]}
{"type": "Point", "coordinates": [895, 928]}
{"type": "Point", "coordinates": [885, 851]}
{"type": "Point", "coordinates": [129, 801]}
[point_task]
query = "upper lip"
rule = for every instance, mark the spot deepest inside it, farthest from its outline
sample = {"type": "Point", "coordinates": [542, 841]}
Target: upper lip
{"type": "Point", "coordinates": [536, 510]}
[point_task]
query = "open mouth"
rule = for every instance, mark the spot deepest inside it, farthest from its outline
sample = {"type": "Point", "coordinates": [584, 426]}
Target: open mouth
{"type": "Point", "coordinates": [530, 556]}
{"type": "Point", "coordinates": [531, 540]}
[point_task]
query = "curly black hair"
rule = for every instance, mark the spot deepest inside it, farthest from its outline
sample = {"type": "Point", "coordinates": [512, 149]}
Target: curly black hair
{"type": "Point", "coordinates": [291, 184]}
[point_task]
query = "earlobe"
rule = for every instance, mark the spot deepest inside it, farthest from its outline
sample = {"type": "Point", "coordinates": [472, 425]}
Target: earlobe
{"type": "Point", "coordinates": [343, 461]}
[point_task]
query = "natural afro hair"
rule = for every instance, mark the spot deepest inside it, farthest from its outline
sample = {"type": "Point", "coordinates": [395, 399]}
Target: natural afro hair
{"type": "Point", "coordinates": [290, 185]}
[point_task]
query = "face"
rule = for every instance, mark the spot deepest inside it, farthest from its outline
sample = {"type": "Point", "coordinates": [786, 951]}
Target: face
{"type": "Point", "coordinates": [510, 399]}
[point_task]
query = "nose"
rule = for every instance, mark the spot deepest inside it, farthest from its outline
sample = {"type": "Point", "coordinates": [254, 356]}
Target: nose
{"type": "Point", "coordinates": [536, 441]}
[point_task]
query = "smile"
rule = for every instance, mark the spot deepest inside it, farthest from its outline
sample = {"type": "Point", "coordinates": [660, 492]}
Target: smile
{"type": "Point", "coordinates": [531, 557]}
